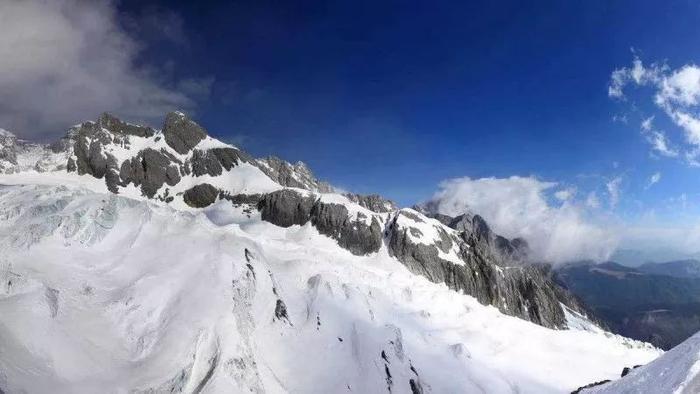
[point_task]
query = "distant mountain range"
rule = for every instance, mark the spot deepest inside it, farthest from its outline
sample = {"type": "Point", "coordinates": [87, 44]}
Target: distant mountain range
{"type": "Point", "coordinates": [635, 257]}
{"type": "Point", "coordinates": [656, 302]}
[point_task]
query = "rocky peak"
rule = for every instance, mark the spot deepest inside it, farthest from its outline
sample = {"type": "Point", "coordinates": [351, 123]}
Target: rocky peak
{"type": "Point", "coordinates": [373, 202]}
{"type": "Point", "coordinates": [292, 175]}
{"type": "Point", "coordinates": [115, 125]}
{"type": "Point", "coordinates": [476, 232]}
{"type": "Point", "coordinates": [181, 133]}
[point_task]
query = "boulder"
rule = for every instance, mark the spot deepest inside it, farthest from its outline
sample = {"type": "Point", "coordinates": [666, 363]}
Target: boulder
{"type": "Point", "coordinates": [201, 195]}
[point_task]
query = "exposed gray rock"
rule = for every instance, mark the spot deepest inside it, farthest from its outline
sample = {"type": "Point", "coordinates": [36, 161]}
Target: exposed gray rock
{"type": "Point", "coordinates": [287, 207]}
{"type": "Point", "coordinates": [354, 235]}
{"type": "Point", "coordinates": [281, 311]}
{"type": "Point", "coordinates": [150, 169]}
{"type": "Point", "coordinates": [214, 161]}
{"type": "Point", "coordinates": [292, 175]}
{"type": "Point", "coordinates": [116, 126]}
{"type": "Point", "coordinates": [476, 232]}
{"type": "Point", "coordinates": [416, 387]}
{"type": "Point", "coordinates": [240, 199]}
{"type": "Point", "coordinates": [90, 159]}
{"type": "Point", "coordinates": [444, 219]}
{"type": "Point", "coordinates": [525, 291]}
{"type": "Point", "coordinates": [181, 133]}
{"type": "Point", "coordinates": [204, 162]}
{"type": "Point", "coordinates": [373, 202]}
{"type": "Point", "coordinates": [230, 157]}
{"type": "Point", "coordinates": [201, 195]}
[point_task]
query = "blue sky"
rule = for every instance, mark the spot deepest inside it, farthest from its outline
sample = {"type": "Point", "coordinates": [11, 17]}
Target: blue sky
{"type": "Point", "coordinates": [396, 98]}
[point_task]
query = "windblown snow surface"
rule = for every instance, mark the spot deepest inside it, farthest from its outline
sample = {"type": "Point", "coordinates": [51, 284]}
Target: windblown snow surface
{"type": "Point", "coordinates": [102, 293]}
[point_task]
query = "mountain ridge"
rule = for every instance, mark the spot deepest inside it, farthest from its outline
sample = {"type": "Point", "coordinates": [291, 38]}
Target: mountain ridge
{"type": "Point", "coordinates": [182, 165]}
{"type": "Point", "coordinates": [245, 269]}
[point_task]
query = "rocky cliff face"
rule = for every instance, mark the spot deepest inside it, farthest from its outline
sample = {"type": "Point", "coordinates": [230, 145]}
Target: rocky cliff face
{"type": "Point", "coordinates": [467, 256]}
{"type": "Point", "coordinates": [481, 269]}
{"type": "Point", "coordinates": [183, 166]}
{"type": "Point", "coordinates": [358, 233]}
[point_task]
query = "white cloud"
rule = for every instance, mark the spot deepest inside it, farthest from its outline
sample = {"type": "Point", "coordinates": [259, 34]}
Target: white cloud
{"type": "Point", "coordinates": [565, 194]}
{"type": "Point", "coordinates": [676, 93]}
{"type": "Point", "coordinates": [653, 179]}
{"type": "Point", "coordinates": [592, 200]}
{"type": "Point", "coordinates": [657, 139]}
{"type": "Point", "coordinates": [637, 74]}
{"type": "Point", "coordinates": [660, 144]}
{"type": "Point", "coordinates": [613, 187]}
{"type": "Point", "coordinates": [63, 61]}
{"type": "Point", "coordinates": [519, 207]}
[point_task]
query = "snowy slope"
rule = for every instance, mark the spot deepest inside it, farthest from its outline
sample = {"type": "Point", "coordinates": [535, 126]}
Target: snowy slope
{"type": "Point", "coordinates": [103, 293]}
{"type": "Point", "coordinates": [675, 372]}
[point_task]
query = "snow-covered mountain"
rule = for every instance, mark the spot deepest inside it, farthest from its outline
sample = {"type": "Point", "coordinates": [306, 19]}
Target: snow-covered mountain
{"type": "Point", "coordinates": [144, 260]}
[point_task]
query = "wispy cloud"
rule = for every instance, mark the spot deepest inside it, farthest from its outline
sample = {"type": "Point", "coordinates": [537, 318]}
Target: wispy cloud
{"type": "Point", "coordinates": [592, 200]}
{"type": "Point", "coordinates": [613, 187]}
{"type": "Point", "coordinates": [676, 93]}
{"type": "Point", "coordinates": [653, 179]}
{"type": "Point", "coordinates": [565, 194]}
{"type": "Point", "coordinates": [64, 61]}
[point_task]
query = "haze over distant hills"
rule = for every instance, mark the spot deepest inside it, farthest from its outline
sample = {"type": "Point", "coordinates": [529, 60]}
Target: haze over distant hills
{"type": "Point", "coordinates": [656, 302]}
{"type": "Point", "coordinates": [636, 257]}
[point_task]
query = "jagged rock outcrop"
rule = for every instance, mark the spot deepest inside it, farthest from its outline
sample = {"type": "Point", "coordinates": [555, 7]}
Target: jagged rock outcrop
{"type": "Point", "coordinates": [299, 176]}
{"type": "Point", "coordinates": [89, 156]}
{"type": "Point", "coordinates": [116, 126]}
{"type": "Point", "coordinates": [494, 247]}
{"type": "Point", "coordinates": [214, 161]}
{"type": "Point", "coordinates": [286, 208]}
{"type": "Point", "coordinates": [373, 202]}
{"type": "Point", "coordinates": [292, 175]}
{"type": "Point", "coordinates": [525, 291]}
{"type": "Point", "coordinates": [181, 133]}
{"type": "Point", "coordinates": [150, 169]}
{"type": "Point", "coordinates": [104, 149]}
{"type": "Point", "coordinates": [333, 220]}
